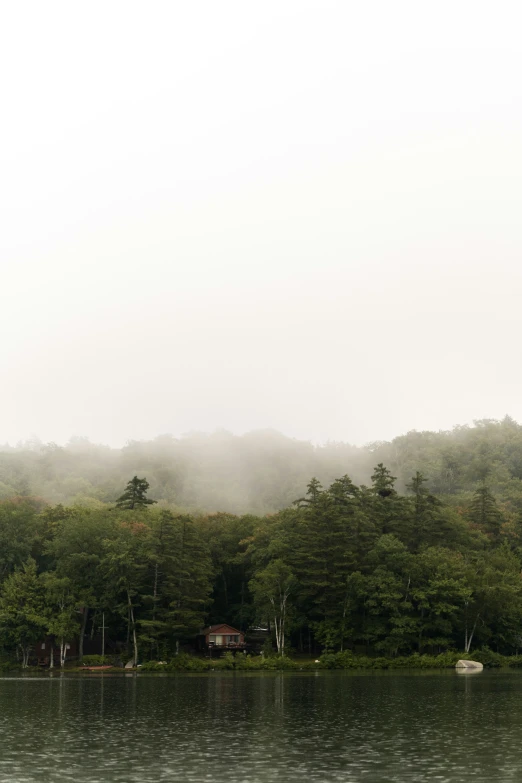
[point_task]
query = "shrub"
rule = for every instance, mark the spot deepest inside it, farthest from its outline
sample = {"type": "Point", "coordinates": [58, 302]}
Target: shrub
{"type": "Point", "coordinates": [95, 660]}
{"type": "Point", "coordinates": [268, 648]}
{"type": "Point", "coordinates": [153, 666]}
{"type": "Point", "coordinates": [490, 659]}
{"type": "Point", "coordinates": [347, 660]}
{"type": "Point", "coordinates": [187, 663]}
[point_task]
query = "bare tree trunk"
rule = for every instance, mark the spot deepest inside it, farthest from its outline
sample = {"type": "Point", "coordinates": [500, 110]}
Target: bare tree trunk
{"type": "Point", "coordinates": [133, 625]}
{"type": "Point", "coordinates": [154, 603]}
{"type": "Point", "coordinates": [469, 638]}
{"type": "Point", "coordinates": [51, 659]}
{"type": "Point", "coordinates": [279, 624]}
{"type": "Point", "coordinates": [343, 624]}
{"type": "Point", "coordinates": [276, 628]}
{"type": "Point", "coordinates": [103, 634]}
{"type": "Point", "coordinates": [241, 627]}
{"type": "Point", "coordinates": [134, 640]}
{"type": "Point", "coordinates": [82, 632]}
{"type": "Point", "coordinates": [63, 652]}
{"type": "Point", "coordinates": [128, 626]}
{"type": "Point", "coordinates": [93, 624]}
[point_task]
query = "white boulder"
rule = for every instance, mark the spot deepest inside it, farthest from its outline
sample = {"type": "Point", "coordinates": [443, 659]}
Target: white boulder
{"type": "Point", "coordinates": [471, 666]}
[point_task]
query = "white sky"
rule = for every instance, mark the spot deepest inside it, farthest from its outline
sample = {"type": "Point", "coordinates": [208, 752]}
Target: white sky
{"type": "Point", "coordinates": [289, 214]}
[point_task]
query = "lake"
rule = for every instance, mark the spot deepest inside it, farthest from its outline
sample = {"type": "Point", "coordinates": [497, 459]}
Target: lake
{"type": "Point", "coordinates": [259, 728]}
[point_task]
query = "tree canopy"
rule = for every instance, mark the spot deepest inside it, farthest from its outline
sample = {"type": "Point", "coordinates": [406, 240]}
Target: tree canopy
{"type": "Point", "coordinates": [398, 564]}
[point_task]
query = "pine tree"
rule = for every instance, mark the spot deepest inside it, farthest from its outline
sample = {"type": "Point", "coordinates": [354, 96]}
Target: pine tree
{"type": "Point", "coordinates": [352, 510]}
{"type": "Point", "coordinates": [425, 513]}
{"type": "Point", "coordinates": [484, 512]}
{"type": "Point", "coordinates": [389, 511]}
{"type": "Point", "coordinates": [314, 491]}
{"type": "Point", "coordinates": [135, 495]}
{"type": "Point", "coordinates": [321, 559]}
{"type": "Point", "coordinates": [383, 482]}
{"type": "Point", "coordinates": [187, 578]}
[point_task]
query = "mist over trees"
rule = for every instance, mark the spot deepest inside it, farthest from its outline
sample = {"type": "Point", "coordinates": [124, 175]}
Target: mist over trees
{"type": "Point", "coordinates": [263, 472]}
{"type": "Point", "coordinates": [425, 554]}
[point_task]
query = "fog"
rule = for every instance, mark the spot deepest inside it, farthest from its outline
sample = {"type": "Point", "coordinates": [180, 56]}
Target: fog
{"type": "Point", "coordinates": [300, 216]}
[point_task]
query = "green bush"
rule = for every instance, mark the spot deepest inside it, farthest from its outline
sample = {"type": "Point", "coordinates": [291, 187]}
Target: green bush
{"type": "Point", "coordinates": [347, 660]}
{"type": "Point", "coordinates": [247, 662]}
{"type": "Point", "coordinates": [95, 660]}
{"type": "Point", "coordinates": [490, 659]}
{"type": "Point", "coordinates": [153, 666]}
{"type": "Point", "coordinates": [268, 648]}
{"type": "Point", "coordinates": [186, 663]}
{"type": "Point", "coordinates": [242, 662]}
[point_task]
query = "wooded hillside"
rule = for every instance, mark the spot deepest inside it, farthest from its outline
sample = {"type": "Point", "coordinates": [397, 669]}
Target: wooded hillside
{"type": "Point", "coordinates": [263, 472]}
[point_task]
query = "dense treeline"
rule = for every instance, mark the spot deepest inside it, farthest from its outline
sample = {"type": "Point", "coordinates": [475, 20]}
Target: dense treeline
{"type": "Point", "coordinates": [263, 472]}
{"type": "Point", "coordinates": [345, 567]}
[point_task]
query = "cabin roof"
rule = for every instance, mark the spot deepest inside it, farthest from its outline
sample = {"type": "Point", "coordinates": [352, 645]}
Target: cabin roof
{"type": "Point", "coordinates": [220, 627]}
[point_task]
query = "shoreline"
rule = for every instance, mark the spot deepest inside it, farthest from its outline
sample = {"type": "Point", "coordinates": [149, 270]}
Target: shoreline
{"type": "Point", "coordinates": [186, 664]}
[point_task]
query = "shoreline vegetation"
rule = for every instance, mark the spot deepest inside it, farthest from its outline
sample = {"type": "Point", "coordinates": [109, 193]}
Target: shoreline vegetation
{"type": "Point", "coordinates": [330, 661]}
{"type": "Point", "coordinates": [395, 568]}
{"type": "Point", "coordinates": [339, 661]}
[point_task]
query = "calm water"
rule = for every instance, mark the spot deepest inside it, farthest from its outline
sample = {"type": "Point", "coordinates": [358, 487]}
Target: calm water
{"type": "Point", "coordinates": [262, 728]}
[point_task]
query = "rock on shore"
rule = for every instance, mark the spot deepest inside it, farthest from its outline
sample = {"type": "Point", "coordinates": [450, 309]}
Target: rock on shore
{"type": "Point", "coordinates": [469, 665]}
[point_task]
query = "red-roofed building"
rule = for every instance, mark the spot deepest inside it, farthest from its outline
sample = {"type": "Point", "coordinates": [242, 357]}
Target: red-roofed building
{"type": "Point", "coordinates": [223, 636]}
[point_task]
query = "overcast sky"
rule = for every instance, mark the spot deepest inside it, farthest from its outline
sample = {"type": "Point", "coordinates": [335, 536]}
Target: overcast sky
{"type": "Point", "coordinates": [287, 214]}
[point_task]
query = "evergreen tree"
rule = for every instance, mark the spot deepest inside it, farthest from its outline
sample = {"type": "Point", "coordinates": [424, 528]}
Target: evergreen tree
{"type": "Point", "coordinates": [389, 510]}
{"type": "Point", "coordinates": [180, 579]}
{"type": "Point", "coordinates": [353, 509]}
{"type": "Point", "coordinates": [484, 512]}
{"type": "Point", "coordinates": [383, 483]}
{"type": "Point", "coordinates": [188, 572]}
{"type": "Point", "coordinates": [228, 538]}
{"type": "Point", "coordinates": [314, 491]}
{"type": "Point", "coordinates": [424, 515]}
{"type": "Point", "coordinates": [321, 558]}
{"type": "Point", "coordinates": [135, 495]}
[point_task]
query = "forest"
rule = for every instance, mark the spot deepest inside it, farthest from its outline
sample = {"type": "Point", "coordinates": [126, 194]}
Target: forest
{"type": "Point", "coordinates": [263, 472]}
{"type": "Point", "coordinates": [421, 562]}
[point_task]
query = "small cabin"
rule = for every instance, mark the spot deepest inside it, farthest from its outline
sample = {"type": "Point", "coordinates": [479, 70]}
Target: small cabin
{"type": "Point", "coordinates": [223, 636]}
{"type": "Point", "coordinates": [42, 651]}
